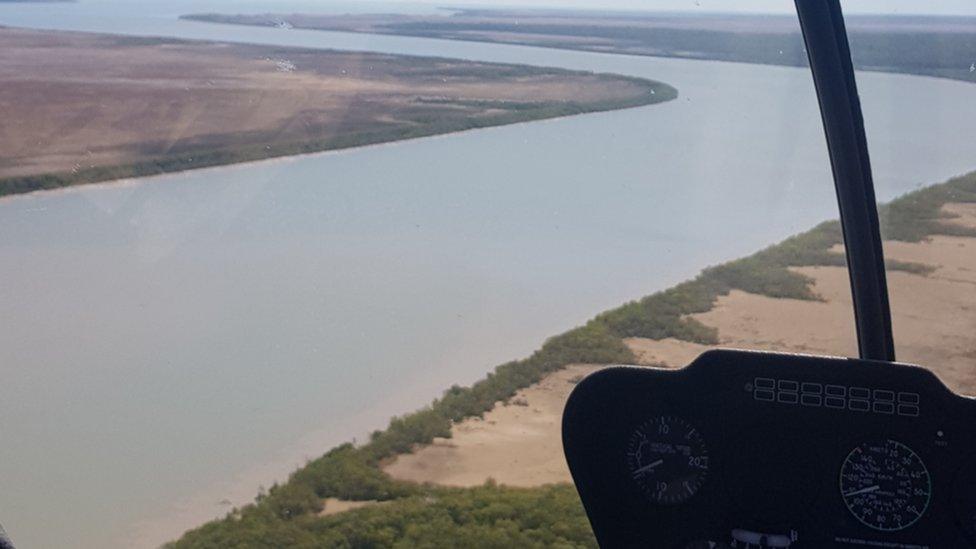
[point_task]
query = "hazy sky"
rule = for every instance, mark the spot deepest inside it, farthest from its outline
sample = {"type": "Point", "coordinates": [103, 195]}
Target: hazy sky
{"type": "Point", "coordinates": [935, 7]}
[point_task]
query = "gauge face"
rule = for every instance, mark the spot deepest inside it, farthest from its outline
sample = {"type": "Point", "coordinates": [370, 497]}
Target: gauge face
{"type": "Point", "coordinates": [668, 459]}
{"type": "Point", "coordinates": [885, 485]}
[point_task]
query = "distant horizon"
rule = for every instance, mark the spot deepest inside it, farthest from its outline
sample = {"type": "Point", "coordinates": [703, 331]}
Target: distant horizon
{"type": "Point", "coordinates": [682, 12]}
{"type": "Point", "coordinates": [946, 8]}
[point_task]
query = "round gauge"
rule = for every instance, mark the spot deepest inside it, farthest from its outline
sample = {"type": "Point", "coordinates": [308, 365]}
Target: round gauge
{"type": "Point", "coordinates": [885, 485]}
{"type": "Point", "coordinates": [668, 459]}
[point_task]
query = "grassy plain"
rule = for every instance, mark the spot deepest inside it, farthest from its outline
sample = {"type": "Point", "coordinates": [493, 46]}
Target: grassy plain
{"type": "Point", "coordinates": [81, 108]}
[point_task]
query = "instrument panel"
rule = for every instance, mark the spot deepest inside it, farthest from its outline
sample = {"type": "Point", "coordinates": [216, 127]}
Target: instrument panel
{"type": "Point", "coordinates": [748, 450]}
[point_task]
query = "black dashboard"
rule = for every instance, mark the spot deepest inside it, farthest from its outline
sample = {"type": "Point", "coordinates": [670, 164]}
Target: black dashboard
{"type": "Point", "coordinates": [748, 449]}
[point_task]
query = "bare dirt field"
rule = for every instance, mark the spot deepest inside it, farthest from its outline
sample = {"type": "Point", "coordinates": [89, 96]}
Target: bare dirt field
{"type": "Point", "coordinates": [74, 102]}
{"type": "Point", "coordinates": [518, 443]}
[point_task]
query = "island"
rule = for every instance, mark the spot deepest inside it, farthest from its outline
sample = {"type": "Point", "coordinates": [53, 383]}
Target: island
{"type": "Point", "coordinates": [82, 108]}
{"type": "Point", "coordinates": [922, 45]}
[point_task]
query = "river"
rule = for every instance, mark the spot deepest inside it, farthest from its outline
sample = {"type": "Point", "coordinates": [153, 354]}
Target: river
{"type": "Point", "coordinates": [169, 344]}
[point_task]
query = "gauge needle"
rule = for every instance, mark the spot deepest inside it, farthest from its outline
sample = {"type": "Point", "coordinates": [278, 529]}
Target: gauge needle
{"type": "Point", "coordinates": [867, 490]}
{"type": "Point", "coordinates": [648, 467]}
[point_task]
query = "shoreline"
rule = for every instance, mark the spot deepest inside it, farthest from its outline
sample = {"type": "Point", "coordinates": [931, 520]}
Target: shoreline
{"type": "Point", "coordinates": [125, 181]}
{"type": "Point", "coordinates": [463, 438]}
{"type": "Point", "coordinates": [213, 500]}
{"type": "Point", "coordinates": [394, 104]}
{"type": "Point", "coordinates": [284, 158]}
{"type": "Point", "coordinates": [272, 160]}
{"type": "Point", "coordinates": [517, 443]}
{"type": "Point", "coordinates": [203, 19]}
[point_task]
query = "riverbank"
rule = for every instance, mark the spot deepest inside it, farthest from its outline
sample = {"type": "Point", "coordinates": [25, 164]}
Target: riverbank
{"type": "Point", "coordinates": [82, 108]}
{"type": "Point", "coordinates": [919, 45]}
{"type": "Point", "coordinates": [497, 441]}
{"type": "Point", "coordinates": [518, 443]}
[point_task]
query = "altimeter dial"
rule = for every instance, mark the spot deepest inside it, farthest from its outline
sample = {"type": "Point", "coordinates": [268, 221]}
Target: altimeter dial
{"type": "Point", "coordinates": [885, 485]}
{"type": "Point", "coordinates": [668, 459]}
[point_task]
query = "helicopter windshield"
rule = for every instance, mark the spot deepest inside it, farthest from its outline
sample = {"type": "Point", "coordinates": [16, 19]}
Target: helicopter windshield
{"type": "Point", "coordinates": [237, 238]}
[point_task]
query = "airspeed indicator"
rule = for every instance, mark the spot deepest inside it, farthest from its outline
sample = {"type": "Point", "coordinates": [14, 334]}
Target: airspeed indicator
{"type": "Point", "coordinates": [885, 485]}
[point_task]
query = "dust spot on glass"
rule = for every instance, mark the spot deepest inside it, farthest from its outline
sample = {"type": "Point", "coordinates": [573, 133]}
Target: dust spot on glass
{"type": "Point", "coordinates": [972, 67]}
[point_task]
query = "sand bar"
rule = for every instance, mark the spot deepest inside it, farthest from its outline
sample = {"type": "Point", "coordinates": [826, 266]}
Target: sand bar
{"type": "Point", "coordinates": [518, 443]}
